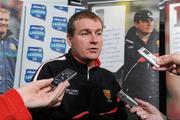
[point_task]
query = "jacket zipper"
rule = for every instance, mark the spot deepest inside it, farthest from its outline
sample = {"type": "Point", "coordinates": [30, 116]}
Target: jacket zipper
{"type": "Point", "coordinates": [88, 74]}
{"type": "Point", "coordinates": [148, 65]}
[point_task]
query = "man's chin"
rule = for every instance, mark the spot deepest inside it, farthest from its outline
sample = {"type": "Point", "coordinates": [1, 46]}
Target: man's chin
{"type": "Point", "coordinates": [2, 35]}
{"type": "Point", "coordinates": [93, 57]}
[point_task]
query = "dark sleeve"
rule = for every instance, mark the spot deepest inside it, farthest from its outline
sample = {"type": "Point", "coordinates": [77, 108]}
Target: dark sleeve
{"type": "Point", "coordinates": [130, 53]}
{"type": "Point", "coordinates": [131, 58]}
{"type": "Point", "coordinates": [43, 72]}
{"type": "Point", "coordinates": [121, 112]}
{"type": "Point", "coordinates": [127, 59]}
{"type": "Point", "coordinates": [119, 75]}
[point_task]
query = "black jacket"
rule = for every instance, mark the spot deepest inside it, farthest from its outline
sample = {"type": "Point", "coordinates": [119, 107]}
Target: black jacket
{"type": "Point", "coordinates": [139, 79]}
{"type": "Point", "coordinates": [91, 94]}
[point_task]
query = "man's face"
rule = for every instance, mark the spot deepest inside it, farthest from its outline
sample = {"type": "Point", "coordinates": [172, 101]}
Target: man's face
{"type": "Point", "coordinates": [4, 22]}
{"type": "Point", "coordinates": [145, 26]}
{"type": "Point", "coordinates": [86, 44]}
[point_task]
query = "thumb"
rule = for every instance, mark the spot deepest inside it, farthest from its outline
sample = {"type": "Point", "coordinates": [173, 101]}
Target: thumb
{"type": "Point", "coordinates": [43, 83]}
{"type": "Point", "coordinates": [59, 90]}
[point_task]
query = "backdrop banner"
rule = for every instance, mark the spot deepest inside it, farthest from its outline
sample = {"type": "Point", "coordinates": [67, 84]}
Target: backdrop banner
{"type": "Point", "coordinates": [42, 36]}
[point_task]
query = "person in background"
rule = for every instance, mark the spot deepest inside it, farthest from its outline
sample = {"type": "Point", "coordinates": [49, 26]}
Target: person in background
{"type": "Point", "coordinates": [20, 7]}
{"type": "Point", "coordinates": [139, 79]}
{"type": "Point", "coordinates": [8, 52]}
{"type": "Point", "coordinates": [93, 91]}
{"type": "Point", "coordinates": [14, 22]}
{"type": "Point", "coordinates": [14, 103]}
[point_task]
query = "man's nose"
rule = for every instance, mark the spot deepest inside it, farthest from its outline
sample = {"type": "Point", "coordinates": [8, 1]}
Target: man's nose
{"type": "Point", "coordinates": [94, 38]}
{"type": "Point", "coordinates": [4, 23]}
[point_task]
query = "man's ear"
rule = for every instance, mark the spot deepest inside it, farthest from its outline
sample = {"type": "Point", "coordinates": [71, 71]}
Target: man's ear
{"type": "Point", "coordinates": [69, 39]}
{"type": "Point", "coordinates": [136, 24]}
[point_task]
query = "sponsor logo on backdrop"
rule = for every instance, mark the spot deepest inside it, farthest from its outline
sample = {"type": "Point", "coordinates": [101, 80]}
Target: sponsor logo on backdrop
{"type": "Point", "coordinates": [29, 74]}
{"type": "Point", "coordinates": [37, 32]}
{"type": "Point", "coordinates": [78, 10]}
{"type": "Point", "coordinates": [35, 54]}
{"type": "Point", "coordinates": [59, 23]}
{"type": "Point", "coordinates": [58, 44]}
{"type": "Point", "coordinates": [62, 8]}
{"type": "Point", "coordinates": [38, 11]}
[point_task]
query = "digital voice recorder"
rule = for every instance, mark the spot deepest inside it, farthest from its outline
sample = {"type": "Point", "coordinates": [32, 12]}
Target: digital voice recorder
{"type": "Point", "coordinates": [148, 56]}
{"type": "Point", "coordinates": [67, 74]}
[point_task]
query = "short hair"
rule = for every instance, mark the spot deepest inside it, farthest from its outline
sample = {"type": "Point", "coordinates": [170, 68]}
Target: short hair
{"type": "Point", "coordinates": [3, 10]}
{"type": "Point", "coordinates": [80, 15]}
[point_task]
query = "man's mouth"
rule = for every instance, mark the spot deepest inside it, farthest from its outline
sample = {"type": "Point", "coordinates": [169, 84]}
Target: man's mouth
{"type": "Point", "coordinates": [3, 25]}
{"type": "Point", "coordinates": [93, 49]}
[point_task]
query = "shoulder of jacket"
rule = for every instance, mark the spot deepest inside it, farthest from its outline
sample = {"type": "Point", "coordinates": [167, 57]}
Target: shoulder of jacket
{"type": "Point", "coordinates": [12, 39]}
{"type": "Point", "coordinates": [60, 58]}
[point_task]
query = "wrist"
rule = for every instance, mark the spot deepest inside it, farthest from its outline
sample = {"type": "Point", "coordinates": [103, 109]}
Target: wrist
{"type": "Point", "coordinates": [22, 96]}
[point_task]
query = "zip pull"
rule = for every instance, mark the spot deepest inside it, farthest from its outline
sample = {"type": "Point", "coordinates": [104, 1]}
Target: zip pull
{"type": "Point", "coordinates": [148, 65]}
{"type": "Point", "coordinates": [88, 74]}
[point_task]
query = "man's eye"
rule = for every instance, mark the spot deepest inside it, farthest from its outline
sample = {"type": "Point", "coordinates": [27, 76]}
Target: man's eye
{"type": "Point", "coordinates": [99, 33]}
{"type": "Point", "coordinates": [84, 33]}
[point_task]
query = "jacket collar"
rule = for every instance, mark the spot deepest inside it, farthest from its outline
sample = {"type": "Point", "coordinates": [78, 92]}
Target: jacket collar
{"type": "Point", "coordinates": [9, 33]}
{"type": "Point", "coordinates": [79, 64]}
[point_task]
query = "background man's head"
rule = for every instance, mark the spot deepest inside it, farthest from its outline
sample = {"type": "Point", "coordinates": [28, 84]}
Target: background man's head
{"type": "Point", "coordinates": [143, 21]}
{"type": "Point", "coordinates": [143, 15]}
{"type": "Point", "coordinates": [4, 21]}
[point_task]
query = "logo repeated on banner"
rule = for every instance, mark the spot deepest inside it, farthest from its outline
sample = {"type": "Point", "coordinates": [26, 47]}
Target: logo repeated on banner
{"type": "Point", "coordinates": [37, 32]}
{"type": "Point", "coordinates": [35, 54]}
{"type": "Point", "coordinates": [58, 44]}
{"type": "Point", "coordinates": [29, 74]}
{"type": "Point", "coordinates": [59, 23]}
{"type": "Point", "coordinates": [65, 9]}
{"type": "Point", "coordinates": [78, 10]}
{"type": "Point", "coordinates": [39, 11]}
